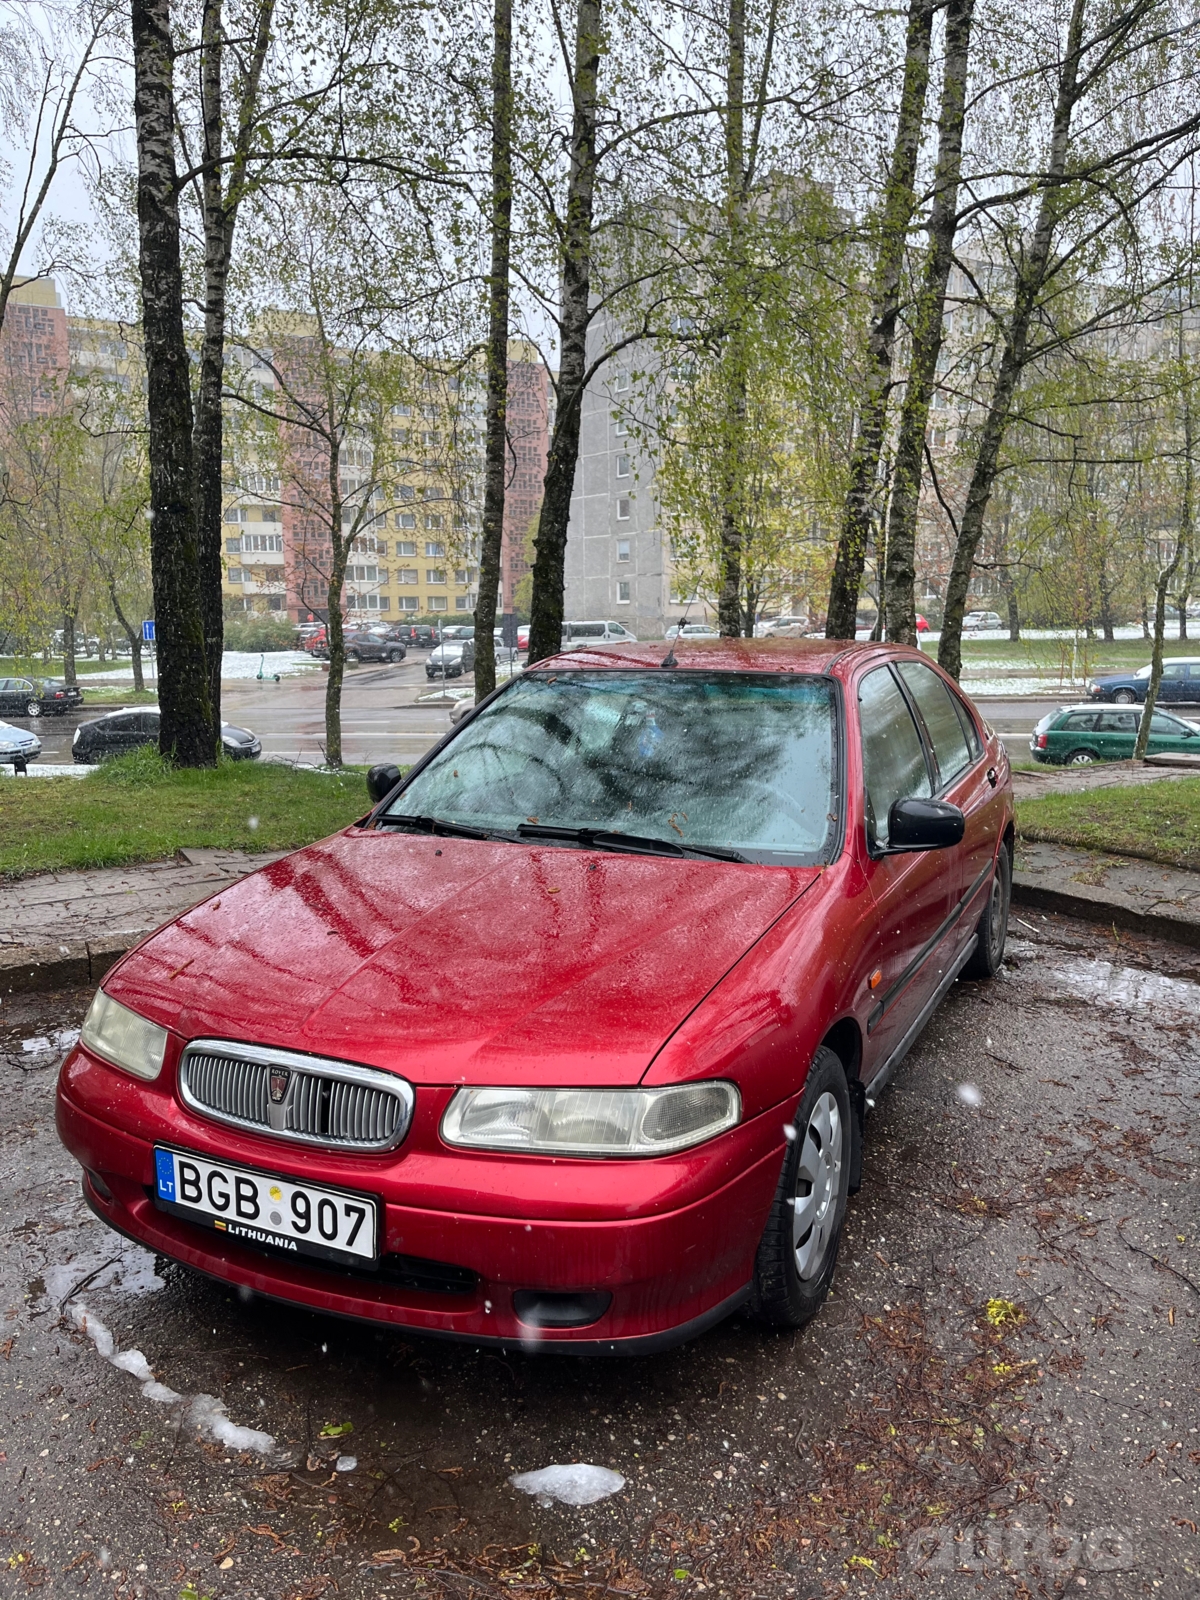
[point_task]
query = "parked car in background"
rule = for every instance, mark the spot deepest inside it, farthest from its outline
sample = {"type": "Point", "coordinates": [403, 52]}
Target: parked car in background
{"type": "Point", "coordinates": [1074, 736]}
{"type": "Point", "coordinates": [976, 621]}
{"type": "Point", "coordinates": [1180, 683]}
{"type": "Point", "coordinates": [18, 744]}
{"type": "Point", "coordinates": [643, 1112]}
{"type": "Point", "coordinates": [692, 630]}
{"type": "Point", "coordinates": [785, 627]}
{"type": "Point", "coordinates": [523, 636]}
{"type": "Point", "coordinates": [451, 660]}
{"type": "Point", "coordinates": [359, 644]}
{"type": "Point", "coordinates": [456, 630]}
{"type": "Point", "coordinates": [416, 635]}
{"type": "Point", "coordinates": [119, 732]}
{"type": "Point", "coordinates": [583, 635]}
{"type": "Point", "coordinates": [38, 697]}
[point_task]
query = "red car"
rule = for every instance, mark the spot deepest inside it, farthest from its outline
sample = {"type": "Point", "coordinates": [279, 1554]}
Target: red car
{"type": "Point", "coordinates": [744, 872]}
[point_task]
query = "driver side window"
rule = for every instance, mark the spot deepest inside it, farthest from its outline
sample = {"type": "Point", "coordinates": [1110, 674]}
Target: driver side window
{"type": "Point", "coordinates": [894, 766]}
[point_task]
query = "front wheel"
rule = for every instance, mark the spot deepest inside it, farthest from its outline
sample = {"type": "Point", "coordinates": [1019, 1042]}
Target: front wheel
{"type": "Point", "coordinates": [797, 1254]}
{"type": "Point", "coordinates": [988, 955]}
{"type": "Point", "coordinates": [1125, 697]}
{"type": "Point", "coordinates": [352, 658]}
{"type": "Point", "coordinates": [1080, 758]}
{"type": "Point", "coordinates": [33, 709]}
{"type": "Point", "coordinates": [395, 655]}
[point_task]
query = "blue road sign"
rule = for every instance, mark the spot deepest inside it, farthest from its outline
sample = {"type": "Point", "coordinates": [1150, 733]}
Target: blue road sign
{"type": "Point", "coordinates": [148, 629]}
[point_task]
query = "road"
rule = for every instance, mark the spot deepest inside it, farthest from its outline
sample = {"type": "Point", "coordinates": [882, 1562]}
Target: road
{"type": "Point", "coordinates": [1000, 1398]}
{"type": "Point", "coordinates": [382, 721]}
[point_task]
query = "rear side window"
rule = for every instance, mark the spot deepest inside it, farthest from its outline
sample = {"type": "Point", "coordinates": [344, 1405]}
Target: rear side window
{"type": "Point", "coordinates": [893, 757]}
{"type": "Point", "coordinates": [941, 720]}
{"type": "Point", "coordinates": [1080, 721]}
{"type": "Point", "coordinates": [586, 630]}
{"type": "Point", "coordinates": [1117, 722]}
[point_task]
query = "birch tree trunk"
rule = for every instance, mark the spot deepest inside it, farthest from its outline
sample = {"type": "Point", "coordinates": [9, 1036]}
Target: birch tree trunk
{"type": "Point", "coordinates": [187, 731]}
{"type": "Point", "coordinates": [900, 610]}
{"type": "Point", "coordinates": [496, 445]}
{"type": "Point", "coordinates": [899, 200]}
{"type": "Point", "coordinates": [1031, 275]}
{"type": "Point", "coordinates": [732, 533]}
{"type": "Point", "coordinates": [546, 607]}
{"type": "Point", "coordinates": [220, 200]}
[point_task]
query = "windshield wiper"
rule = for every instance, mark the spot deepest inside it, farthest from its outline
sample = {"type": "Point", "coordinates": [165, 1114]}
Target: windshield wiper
{"type": "Point", "coordinates": [634, 843]}
{"type": "Point", "coordinates": [438, 825]}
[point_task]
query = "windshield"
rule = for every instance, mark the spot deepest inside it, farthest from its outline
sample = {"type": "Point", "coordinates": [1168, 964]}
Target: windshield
{"type": "Point", "coordinates": [739, 761]}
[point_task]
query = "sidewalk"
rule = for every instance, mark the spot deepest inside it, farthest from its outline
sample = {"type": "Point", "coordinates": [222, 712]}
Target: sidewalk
{"type": "Point", "coordinates": [1145, 896]}
{"type": "Point", "coordinates": [60, 929]}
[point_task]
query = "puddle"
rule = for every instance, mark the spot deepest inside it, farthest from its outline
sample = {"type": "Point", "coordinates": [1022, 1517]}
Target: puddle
{"type": "Point", "coordinates": [1128, 988]}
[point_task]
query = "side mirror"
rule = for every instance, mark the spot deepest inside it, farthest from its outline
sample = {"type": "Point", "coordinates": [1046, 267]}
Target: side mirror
{"type": "Point", "coordinates": [924, 825]}
{"type": "Point", "coordinates": [381, 780]}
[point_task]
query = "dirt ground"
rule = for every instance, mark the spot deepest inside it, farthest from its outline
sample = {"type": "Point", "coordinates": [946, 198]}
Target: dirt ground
{"type": "Point", "coordinates": [999, 1399]}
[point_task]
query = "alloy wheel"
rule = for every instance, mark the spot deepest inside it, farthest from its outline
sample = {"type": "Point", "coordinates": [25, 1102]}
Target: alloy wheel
{"type": "Point", "coordinates": [33, 709]}
{"type": "Point", "coordinates": [818, 1184]}
{"type": "Point", "coordinates": [1080, 758]}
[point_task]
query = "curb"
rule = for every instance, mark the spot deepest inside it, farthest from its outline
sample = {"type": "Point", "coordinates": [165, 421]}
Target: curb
{"type": "Point", "coordinates": [32, 969]}
{"type": "Point", "coordinates": [1097, 908]}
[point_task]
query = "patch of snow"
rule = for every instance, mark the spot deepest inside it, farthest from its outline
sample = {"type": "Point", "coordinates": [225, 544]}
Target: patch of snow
{"type": "Point", "coordinates": [575, 1484]}
{"type": "Point", "coordinates": [234, 664]}
{"type": "Point", "coordinates": [345, 1464]}
{"type": "Point", "coordinates": [208, 1414]}
{"type": "Point", "coordinates": [969, 1095]}
{"type": "Point", "coordinates": [62, 1040]}
{"type": "Point", "coordinates": [44, 769]}
{"type": "Point", "coordinates": [113, 1264]}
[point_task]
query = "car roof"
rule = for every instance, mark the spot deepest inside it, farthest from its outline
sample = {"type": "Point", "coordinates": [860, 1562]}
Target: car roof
{"type": "Point", "coordinates": [733, 655]}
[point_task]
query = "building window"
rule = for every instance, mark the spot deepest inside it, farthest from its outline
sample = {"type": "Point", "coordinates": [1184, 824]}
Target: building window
{"type": "Point", "coordinates": [620, 381]}
{"type": "Point", "coordinates": [363, 574]}
{"type": "Point", "coordinates": [274, 602]}
{"type": "Point", "coordinates": [271, 514]}
{"type": "Point", "coordinates": [406, 574]}
{"type": "Point", "coordinates": [407, 492]}
{"type": "Point", "coordinates": [624, 510]}
{"type": "Point", "coordinates": [405, 547]}
{"type": "Point", "coordinates": [409, 602]}
{"type": "Point", "coordinates": [622, 428]}
{"type": "Point", "coordinates": [368, 602]}
{"type": "Point", "coordinates": [435, 575]}
{"type": "Point", "coordinates": [407, 519]}
{"type": "Point", "coordinates": [233, 547]}
{"type": "Point", "coordinates": [622, 466]}
{"type": "Point", "coordinates": [261, 541]}
{"type": "Point", "coordinates": [464, 575]}
{"type": "Point", "coordinates": [623, 592]}
{"type": "Point", "coordinates": [433, 519]}
{"type": "Point", "coordinates": [236, 575]}
{"type": "Point", "coordinates": [237, 514]}
{"type": "Point", "coordinates": [462, 602]}
{"type": "Point", "coordinates": [434, 548]}
{"type": "Point", "coordinates": [432, 492]}
{"type": "Point", "coordinates": [437, 602]}
{"type": "Point", "coordinates": [622, 549]}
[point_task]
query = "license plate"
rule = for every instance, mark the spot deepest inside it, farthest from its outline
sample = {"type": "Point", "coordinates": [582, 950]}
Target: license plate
{"type": "Point", "coordinates": [260, 1208]}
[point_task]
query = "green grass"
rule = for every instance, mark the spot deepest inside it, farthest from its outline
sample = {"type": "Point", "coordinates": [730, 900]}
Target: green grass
{"type": "Point", "coordinates": [35, 667]}
{"type": "Point", "coordinates": [137, 809]}
{"type": "Point", "coordinates": [1090, 655]}
{"type": "Point", "coordinates": [1155, 821]}
{"type": "Point", "coordinates": [115, 694]}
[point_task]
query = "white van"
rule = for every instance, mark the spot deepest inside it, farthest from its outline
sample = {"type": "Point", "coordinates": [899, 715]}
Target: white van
{"type": "Point", "coordinates": [584, 635]}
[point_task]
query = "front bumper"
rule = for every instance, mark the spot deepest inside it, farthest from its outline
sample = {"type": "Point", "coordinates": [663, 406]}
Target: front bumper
{"type": "Point", "coordinates": [466, 1237]}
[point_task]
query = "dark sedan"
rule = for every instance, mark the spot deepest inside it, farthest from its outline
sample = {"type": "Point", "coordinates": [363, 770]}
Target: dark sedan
{"type": "Point", "coordinates": [122, 731]}
{"type": "Point", "coordinates": [362, 645]}
{"type": "Point", "coordinates": [1180, 683]}
{"type": "Point", "coordinates": [38, 697]}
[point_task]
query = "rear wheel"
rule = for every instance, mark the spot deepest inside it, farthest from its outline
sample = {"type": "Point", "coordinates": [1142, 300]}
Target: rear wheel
{"type": "Point", "coordinates": [352, 657]}
{"type": "Point", "coordinates": [988, 955]}
{"type": "Point", "coordinates": [1080, 758]}
{"type": "Point", "coordinates": [797, 1254]}
{"type": "Point", "coordinates": [1125, 697]}
{"type": "Point", "coordinates": [34, 708]}
{"type": "Point", "coordinates": [395, 655]}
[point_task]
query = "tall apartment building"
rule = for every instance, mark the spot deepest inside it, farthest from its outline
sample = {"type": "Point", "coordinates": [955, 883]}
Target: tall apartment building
{"type": "Point", "coordinates": [34, 349]}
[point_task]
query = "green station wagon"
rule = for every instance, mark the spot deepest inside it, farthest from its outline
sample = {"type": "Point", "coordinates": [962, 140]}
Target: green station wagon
{"type": "Point", "coordinates": [1074, 736]}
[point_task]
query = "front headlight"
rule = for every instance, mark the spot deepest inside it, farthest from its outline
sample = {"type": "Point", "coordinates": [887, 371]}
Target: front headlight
{"type": "Point", "coordinates": [124, 1038]}
{"type": "Point", "coordinates": [591, 1122]}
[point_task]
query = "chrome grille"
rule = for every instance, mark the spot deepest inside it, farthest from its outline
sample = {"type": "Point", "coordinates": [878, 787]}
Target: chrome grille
{"type": "Point", "coordinates": [304, 1098]}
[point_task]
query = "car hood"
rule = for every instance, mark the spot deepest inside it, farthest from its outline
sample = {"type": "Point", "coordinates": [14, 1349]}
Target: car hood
{"type": "Point", "coordinates": [458, 960]}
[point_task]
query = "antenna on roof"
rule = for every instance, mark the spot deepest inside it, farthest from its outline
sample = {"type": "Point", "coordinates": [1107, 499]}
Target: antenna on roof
{"type": "Point", "coordinates": [669, 659]}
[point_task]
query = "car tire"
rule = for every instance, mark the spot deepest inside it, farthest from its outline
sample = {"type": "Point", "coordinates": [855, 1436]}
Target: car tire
{"type": "Point", "coordinates": [1125, 697]}
{"type": "Point", "coordinates": [988, 955]}
{"type": "Point", "coordinates": [352, 657]}
{"type": "Point", "coordinates": [33, 709]}
{"type": "Point", "coordinates": [1081, 758]}
{"type": "Point", "coordinates": [395, 655]}
{"type": "Point", "coordinates": [795, 1263]}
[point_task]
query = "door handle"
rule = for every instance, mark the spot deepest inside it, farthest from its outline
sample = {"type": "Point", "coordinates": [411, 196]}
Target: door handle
{"type": "Point", "coordinates": [991, 776]}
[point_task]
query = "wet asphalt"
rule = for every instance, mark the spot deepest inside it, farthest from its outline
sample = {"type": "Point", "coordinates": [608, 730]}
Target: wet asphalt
{"type": "Point", "coordinates": [1000, 1397]}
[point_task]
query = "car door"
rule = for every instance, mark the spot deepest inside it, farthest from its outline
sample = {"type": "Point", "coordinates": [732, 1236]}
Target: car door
{"type": "Point", "coordinates": [7, 697]}
{"type": "Point", "coordinates": [914, 893]}
{"type": "Point", "coordinates": [1176, 683]}
{"type": "Point", "coordinates": [1116, 734]}
{"type": "Point", "coordinates": [1170, 734]}
{"type": "Point", "coordinates": [964, 777]}
{"type": "Point", "coordinates": [1077, 731]}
